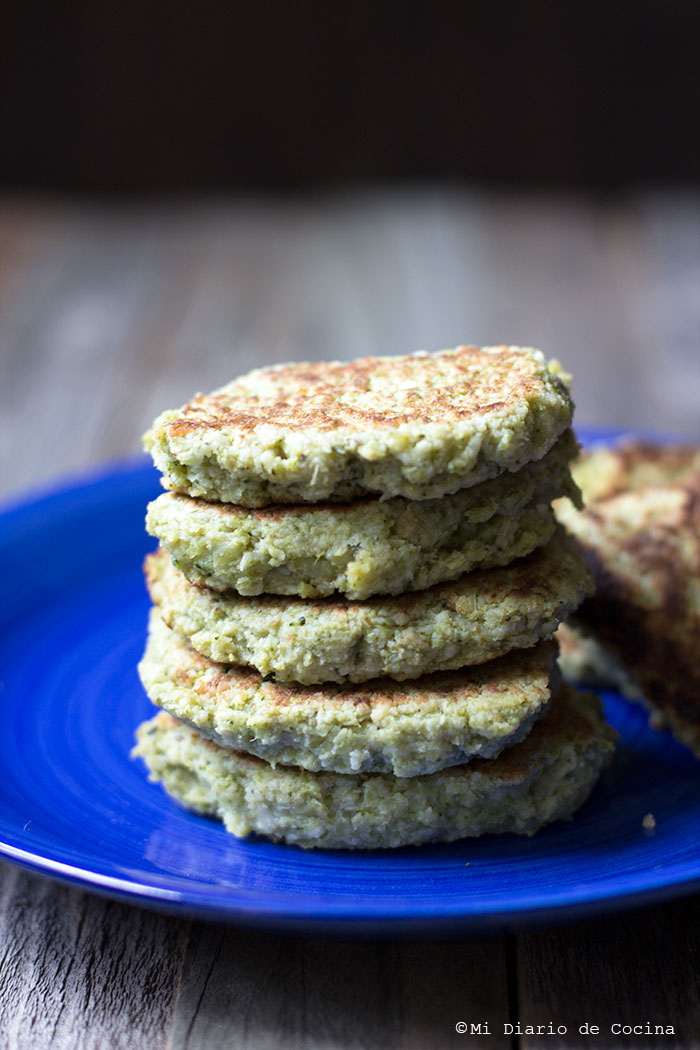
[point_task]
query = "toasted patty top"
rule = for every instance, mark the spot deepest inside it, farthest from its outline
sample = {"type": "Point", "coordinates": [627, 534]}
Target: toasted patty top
{"type": "Point", "coordinates": [372, 393]}
{"type": "Point", "coordinates": [420, 425]}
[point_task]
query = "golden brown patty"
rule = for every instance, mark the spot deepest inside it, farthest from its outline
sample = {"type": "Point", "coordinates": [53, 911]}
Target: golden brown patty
{"type": "Point", "coordinates": [407, 728]}
{"type": "Point", "coordinates": [644, 546]}
{"type": "Point", "coordinates": [632, 465]}
{"type": "Point", "coordinates": [419, 426]}
{"type": "Point", "coordinates": [476, 618]}
{"type": "Point", "coordinates": [370, 546]}
{"type": "Point", "coordinates": [544, 778]}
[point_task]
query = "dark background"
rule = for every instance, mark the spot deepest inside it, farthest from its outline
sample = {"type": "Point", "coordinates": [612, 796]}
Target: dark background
{"type": "Point", "coordinates": [181, 95]}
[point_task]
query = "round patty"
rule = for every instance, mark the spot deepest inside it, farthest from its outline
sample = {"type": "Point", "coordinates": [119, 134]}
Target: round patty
{"type": "Point", "coordinates": [544, 778]}
{"type": "Point", "coordinates": [404, 727]}
{"type": "Point", "coordinates": [367, 547]}
{"type": "Point", "coordinates": [476, 618]}
{"type": "Point", "coordinates": [419, 426]}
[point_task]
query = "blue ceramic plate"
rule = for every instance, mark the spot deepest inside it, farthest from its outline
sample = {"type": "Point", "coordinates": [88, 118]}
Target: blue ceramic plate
{"type": "Point", "coordinates": [75, 806]}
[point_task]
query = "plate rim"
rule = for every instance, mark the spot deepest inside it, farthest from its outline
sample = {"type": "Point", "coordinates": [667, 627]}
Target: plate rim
{"type": "Point", "coordinates": [289, 912]}
{"type": "Point", "coordinates": [286, 911]}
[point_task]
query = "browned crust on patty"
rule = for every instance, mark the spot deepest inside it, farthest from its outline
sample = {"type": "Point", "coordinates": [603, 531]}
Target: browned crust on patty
{"type": "Point", "coordinates": [632, 465]}
{"type": "Point", "coordinates": [306, 396]}
{"type": "Point", "coordinates": [215, 681]}
{"type": "Point", "coordinates": [644, 547]}
{"type": "Point", "coordinates": [569, 717]}
{"type": "Point", "coordinates": [572, 716]}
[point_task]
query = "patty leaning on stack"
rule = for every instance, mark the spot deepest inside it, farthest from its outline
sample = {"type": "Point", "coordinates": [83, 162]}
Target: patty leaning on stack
{"type": "Point", "coordinates": [641, 529]}
{"type": "Point", "coordinates": [355, 600]}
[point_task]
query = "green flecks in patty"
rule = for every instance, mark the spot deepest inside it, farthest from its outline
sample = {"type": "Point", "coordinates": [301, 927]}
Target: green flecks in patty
{"type": "Point", "coordinates": [366, 548]}
{"type": "Point", "coordinates": [542, 779]}
{"type": "Point", "coordinates": [337, 431]}
{"type": "Point", "coordinates": [474, 619]}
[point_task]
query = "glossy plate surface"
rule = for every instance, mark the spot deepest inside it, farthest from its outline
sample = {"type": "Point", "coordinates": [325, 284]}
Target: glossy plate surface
{"type": "Point", "coordinates": [75, 806]}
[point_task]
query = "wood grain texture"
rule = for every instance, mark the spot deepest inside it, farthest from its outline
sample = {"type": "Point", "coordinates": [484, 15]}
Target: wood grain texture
{"type": "Point", "coordinates": [81, 973]}
{"type": "Point", "coordinates": [109, 315]}
{"type": "Point", "coordinates": [253, 992]}
{"type": "Point", "coordinates": [627, 970]}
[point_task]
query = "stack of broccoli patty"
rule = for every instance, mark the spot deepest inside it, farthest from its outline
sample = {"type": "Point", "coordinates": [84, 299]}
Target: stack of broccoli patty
{"type": "Point", "coordinates": [354, 602]}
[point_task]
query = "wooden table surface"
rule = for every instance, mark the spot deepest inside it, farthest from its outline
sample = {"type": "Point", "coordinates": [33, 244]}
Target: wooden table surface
{"type": "Point", "coordinates": [109, 314]}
